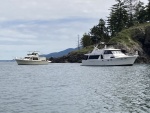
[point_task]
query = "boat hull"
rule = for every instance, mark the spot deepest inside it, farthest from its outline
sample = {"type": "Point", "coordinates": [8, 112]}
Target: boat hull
{"type": "Point", "coordinates": [123, 61]}
{"type": "Point", "coordinates": [31, 62]}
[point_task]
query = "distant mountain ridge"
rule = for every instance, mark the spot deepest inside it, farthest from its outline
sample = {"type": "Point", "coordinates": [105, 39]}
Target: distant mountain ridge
{"type": "Point", "coordinates": [60, 53]}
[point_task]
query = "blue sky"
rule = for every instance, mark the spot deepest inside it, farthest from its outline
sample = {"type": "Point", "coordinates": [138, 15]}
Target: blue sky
{"type": "Point", "coordinates": [46, 25]}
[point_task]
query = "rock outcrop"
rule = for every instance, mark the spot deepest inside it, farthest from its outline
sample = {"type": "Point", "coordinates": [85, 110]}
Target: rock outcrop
{"type": "Point", "coordinates": [70, 58]}
{"type": "Point", "coordinates": [136, 38]}
{"type": "Point", "coordinates": [142, 36]}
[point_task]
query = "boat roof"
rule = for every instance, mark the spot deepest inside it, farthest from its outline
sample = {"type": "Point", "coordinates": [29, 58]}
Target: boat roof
{"type": "Point", "coordinates": [33, 51]}
{"type": "Point", "coordinates": [113, 49]}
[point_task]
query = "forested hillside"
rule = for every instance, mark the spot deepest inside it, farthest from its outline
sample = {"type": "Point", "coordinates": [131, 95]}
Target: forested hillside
{"type": "Point", "coordinates": [127, 26]}
{"type": "Point", "coordinates": [123, 15]}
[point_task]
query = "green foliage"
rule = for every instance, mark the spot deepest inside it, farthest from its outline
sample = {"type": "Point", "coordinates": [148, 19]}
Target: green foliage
{"type": "Point", "coordinates": [125, 37]}
{"type": "Point", "coordinates": [118, 18]}
{"type": "Point", "coordinates": [148, 11]}
{"type": "Point", "coordinates": [99, 32]}
{"type": "Point", "coordinates": [130, 7]}
{"type": "Point", "coordinates": [124, 14]}
{"type": "Point", "coordinates": [140, 13]}
{"type": "Point", "coordinates": [86, 40]}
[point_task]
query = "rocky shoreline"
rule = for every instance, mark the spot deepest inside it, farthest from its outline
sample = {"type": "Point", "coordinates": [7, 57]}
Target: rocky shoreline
{"type": "Point", "coordinates": [70, 58]}
{"type": "Point", "coordinates": [79, 57]}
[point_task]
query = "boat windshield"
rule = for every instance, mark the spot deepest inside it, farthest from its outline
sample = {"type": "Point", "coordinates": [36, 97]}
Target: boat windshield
{"type": "Point", "coordinates": [107, 52]}
{"type": "Point", "coordinates": [117, 52]}
{"type": "Point", "coordinates": [27, 57]}
{"type": "Point", "coordinates": [94, 57]}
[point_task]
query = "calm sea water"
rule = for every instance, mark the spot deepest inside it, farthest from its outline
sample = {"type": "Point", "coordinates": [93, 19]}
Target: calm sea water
{"type": "Point", "coordinates": [71, 88]}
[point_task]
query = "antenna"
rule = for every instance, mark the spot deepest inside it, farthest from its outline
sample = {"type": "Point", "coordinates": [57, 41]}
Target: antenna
{"type": "Point", "coordinates": [78, 42]}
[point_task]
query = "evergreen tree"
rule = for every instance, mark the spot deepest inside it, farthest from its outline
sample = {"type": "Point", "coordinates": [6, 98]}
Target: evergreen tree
{"type": "Point", "coordinates": [86, 40]}
{"type": "Point", "coordinates": [99, 32]}
{"type": "Point", "coordinates": [140, 13]}
{"type": "Point", "coordinates": [118, 18]}
{"type": "Point", "coordinates": [104, 35]}
{"type": "Point", "coordinates": [148, 11]}
{"type": "Point", "coordinates": [130, 6]}
{"type": "Point", "coordinates": [95, 34]}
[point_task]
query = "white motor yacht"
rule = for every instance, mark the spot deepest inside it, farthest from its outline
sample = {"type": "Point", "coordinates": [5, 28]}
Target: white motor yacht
{"type": "Point", "coordinates": [108, 57]}
{"type": "Point", "coordinates": [32, 58]}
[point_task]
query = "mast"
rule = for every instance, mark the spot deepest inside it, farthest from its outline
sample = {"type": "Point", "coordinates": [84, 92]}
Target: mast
{"type": "Point", "coordinates": [78, 43]}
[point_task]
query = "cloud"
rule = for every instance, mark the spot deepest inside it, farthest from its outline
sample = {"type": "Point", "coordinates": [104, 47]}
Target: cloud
{"type": "Point", "coordinates": [46, 25]}
{"type": "Point", "coordinates": [51, 9]}
{"type": "Point", "coordinates": [43, 35]}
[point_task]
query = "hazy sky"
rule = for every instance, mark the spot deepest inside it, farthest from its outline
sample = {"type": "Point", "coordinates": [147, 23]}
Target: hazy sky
{"type": "Point", "coordinates": [47, 25]}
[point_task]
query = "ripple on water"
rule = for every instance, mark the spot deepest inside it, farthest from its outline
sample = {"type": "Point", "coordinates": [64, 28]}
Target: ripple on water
{"type": "Point", "coordinates": [71, 88]}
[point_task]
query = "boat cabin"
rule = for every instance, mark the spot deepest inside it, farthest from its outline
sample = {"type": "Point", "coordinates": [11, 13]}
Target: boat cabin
{"type": "Point", "coordinates": [32, 56]}
{"type": "Point", "coordinates": [105, 54]}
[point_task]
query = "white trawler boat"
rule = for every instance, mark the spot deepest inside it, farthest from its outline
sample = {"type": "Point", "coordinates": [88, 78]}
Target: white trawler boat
{"type": "Point", "coordinates": [32, 58]}
{"type": "Point", "coordinates": [108, 57]}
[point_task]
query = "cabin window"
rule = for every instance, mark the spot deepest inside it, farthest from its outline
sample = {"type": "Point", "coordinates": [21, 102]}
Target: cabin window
{"type": "Point", "coordinates": [35, 58]}
{"type": "Point", "coordinates": [27, 57]}
{"type": "Point", "coordinates": [107, 52]}
{"type": "Point", "coordinates": [94, 57]}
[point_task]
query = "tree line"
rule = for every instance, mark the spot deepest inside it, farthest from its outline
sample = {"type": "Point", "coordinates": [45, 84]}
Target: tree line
{"type": "Point", "coordinates": [123, 14]}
